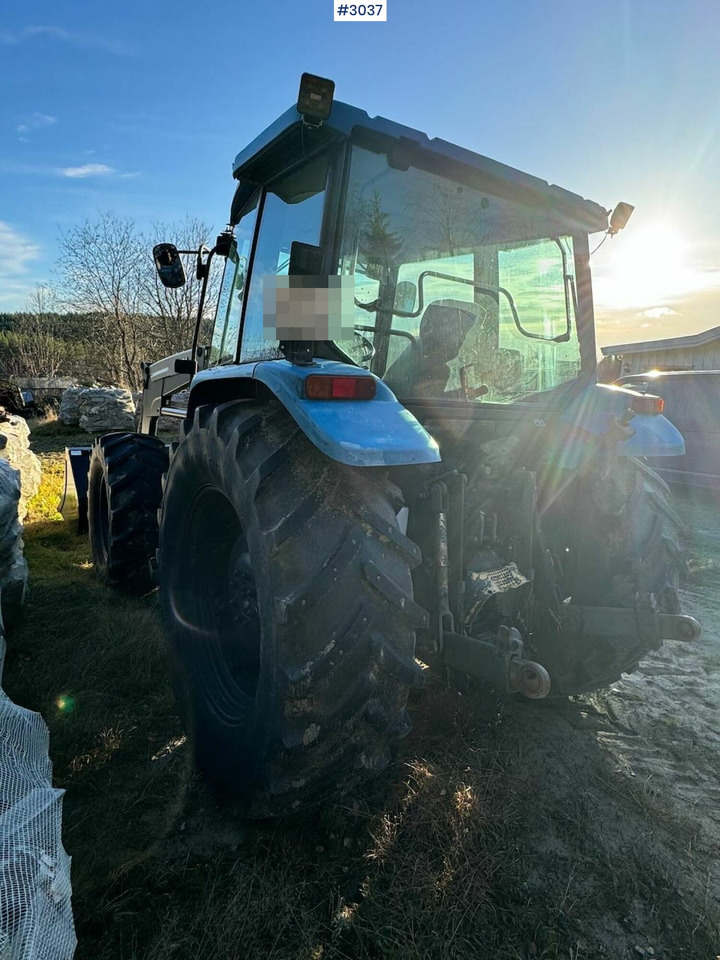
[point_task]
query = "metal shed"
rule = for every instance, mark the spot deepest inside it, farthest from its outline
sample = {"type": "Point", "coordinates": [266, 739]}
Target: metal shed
{"type": "Point", "coordinates": [697, 351]}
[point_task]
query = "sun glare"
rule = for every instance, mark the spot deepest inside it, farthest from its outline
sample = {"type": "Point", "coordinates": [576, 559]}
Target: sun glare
{"type": "Point", "coordinates": [647, 268]}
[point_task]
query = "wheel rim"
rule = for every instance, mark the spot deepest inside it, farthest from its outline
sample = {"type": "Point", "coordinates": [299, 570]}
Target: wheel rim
{"type": "Point", "coordinates": [101, 525]}
{"type": "Point", "coordinates": [214, 594]}
{"type": "Point", "coordinates": [103, 516]}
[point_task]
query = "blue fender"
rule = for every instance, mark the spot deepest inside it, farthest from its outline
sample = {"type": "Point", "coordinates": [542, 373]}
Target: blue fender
{"type": "Point", "coordinates": [593, 410]}
{"type": "Point", "coordinates": [361, 433]}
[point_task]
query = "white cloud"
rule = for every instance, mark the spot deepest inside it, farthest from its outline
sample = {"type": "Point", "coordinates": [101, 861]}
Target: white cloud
{"type": "Point", "coordinates": [17, 253]}
{"type": "Point", "coordinates": [84, 171]}
{"type": "Point", "coordinates": [657, 313]}
{"type": "Point", "coordinates": [36, 121]}
{"type": "Point", "coordinates": [87, 170]}
{"type": "Point", "coordinates": [61, 35]}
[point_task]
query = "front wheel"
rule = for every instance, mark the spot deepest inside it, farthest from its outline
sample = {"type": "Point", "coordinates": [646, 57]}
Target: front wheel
{"type": "Point", "coordinates": [124, 493]}
{"type": "Point", "coordinates": [286, 600]}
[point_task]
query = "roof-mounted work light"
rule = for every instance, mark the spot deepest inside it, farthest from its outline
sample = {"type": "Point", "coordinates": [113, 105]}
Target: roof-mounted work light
{"type": "Point", "coordinates": [315, 98]}
{"type": "Point", "coordinates": [619, 217]}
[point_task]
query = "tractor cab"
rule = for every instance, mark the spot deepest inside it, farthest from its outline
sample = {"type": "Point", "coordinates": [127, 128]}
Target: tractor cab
{"type": "Point", "coordinates": [461, 278]}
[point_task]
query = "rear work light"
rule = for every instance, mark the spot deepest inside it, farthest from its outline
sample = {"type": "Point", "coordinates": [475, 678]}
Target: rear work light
{"type": "Point", "coordinates": [323, 387]}
{"type": "Point", "coordinates": [647, 403]}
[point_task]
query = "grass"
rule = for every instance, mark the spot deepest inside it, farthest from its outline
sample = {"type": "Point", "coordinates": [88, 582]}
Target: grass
{"type": "Point", "coordinates": [447, 854]}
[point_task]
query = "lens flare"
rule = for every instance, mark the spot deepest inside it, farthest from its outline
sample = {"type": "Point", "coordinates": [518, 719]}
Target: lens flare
{"type": "Point", "coordinates": [65, 703]}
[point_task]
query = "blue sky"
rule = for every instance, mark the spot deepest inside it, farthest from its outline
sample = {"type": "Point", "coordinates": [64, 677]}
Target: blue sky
{"type": "Point", "coordinates": [140, 108]}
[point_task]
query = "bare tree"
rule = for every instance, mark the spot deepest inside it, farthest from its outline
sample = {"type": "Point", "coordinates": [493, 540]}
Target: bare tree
{"type": "Point", "coordinates": [174, 311]}
{"type": "Point", "coordinates": [106, 270]}
{"type": "Point", "coordinates": [41, 351]}
{"type": "Point", "coordinates": [101, 266]}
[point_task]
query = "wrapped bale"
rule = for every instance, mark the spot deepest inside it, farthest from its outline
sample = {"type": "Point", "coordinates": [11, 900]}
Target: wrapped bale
{"type": "Point", "coordinates": [36, 921]}
{"type": "Point", "coordinates": [70, 406]}
{"type": "Point", "coordinates": [15, 448]}
{"type": "Point", "coordinates": [137, 400]}
{"type": "Point", "coordinates": [13, 565]}
{"type": "Point", "coordinates": [105, 409]}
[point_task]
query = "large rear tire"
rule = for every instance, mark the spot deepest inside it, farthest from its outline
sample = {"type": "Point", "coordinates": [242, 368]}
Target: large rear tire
{"type": "Point", "coordinates": [124, 494]}
{"type": "Point", "coordinates": [286, 599]}
{"type": "Point", "coordinates": [619, 539]}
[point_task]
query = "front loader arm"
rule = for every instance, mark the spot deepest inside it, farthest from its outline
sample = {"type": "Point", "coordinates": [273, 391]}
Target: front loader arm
{"type": "Point", "coordinates": [160, 380]}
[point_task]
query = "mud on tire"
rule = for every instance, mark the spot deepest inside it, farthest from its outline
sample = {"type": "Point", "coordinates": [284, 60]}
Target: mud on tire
{"type": "Point", "coordinates": [286, 599]}
{"type": "Point", "coordinates": [124, 493]}
{"type": "Point", "coordinates": [622, 538]}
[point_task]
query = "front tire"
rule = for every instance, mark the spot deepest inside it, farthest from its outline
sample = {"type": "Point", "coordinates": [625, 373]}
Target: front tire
{"type": "Point", "coordinates": [286, 599]}
{"type": "Point", "coordinates": [124, 494]}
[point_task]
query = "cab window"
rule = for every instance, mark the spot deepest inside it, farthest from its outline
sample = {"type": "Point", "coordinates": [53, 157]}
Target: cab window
{"type": "Point", "coordinates": [293, 210]}
{"type": "Point", "coordinates": [223, 346]}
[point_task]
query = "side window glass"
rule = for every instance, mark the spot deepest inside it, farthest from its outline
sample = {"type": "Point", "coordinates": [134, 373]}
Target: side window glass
{"type": "Point", "coordinates": [223, 347]}
{"type": "Point", "coordinates": [293, 210]}
{"type": "Point", "coordinates": [360, 350]}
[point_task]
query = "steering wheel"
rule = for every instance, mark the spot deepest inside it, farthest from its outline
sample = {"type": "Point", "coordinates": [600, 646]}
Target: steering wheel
{"type": "Point", "coordinates": [366, 342]}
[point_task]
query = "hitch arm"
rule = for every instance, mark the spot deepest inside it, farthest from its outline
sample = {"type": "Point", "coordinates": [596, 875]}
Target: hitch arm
{"type": "Point", "coordinates": [501, 664]}
{"type": "Point", "coordinates": [646, 624]}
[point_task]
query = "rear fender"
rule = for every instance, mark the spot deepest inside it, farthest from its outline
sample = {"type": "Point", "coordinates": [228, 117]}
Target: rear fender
{"type": "Point", "coordinates": [361, 433]}
{"type": "Point", "coordinates": [593, 412]}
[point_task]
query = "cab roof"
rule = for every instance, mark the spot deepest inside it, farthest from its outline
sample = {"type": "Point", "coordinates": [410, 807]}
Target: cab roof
{"type": "Point", "coordinates": [287, 140]}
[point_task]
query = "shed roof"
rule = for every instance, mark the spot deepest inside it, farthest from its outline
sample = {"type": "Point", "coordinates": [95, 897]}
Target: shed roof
{"type": "Point", "coordinates": [672, 343]}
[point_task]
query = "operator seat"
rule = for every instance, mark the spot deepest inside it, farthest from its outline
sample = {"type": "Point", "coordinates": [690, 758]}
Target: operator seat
{"type": "Point", "coordinates": [424, 372]}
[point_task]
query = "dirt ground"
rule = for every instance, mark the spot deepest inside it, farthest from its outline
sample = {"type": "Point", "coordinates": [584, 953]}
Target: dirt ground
{"type": "Point", "coordinates": [628, 781]}
{"type": "Point", "coordinates": [503, 830]}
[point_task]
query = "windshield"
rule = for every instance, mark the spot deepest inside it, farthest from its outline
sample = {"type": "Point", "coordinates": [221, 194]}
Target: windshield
{"type": "Point", "coordinates": [458, 293]}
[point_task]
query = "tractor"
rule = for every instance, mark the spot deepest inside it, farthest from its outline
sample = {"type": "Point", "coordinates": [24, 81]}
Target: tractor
{"type": "Point", "coordinates": [394, 457]}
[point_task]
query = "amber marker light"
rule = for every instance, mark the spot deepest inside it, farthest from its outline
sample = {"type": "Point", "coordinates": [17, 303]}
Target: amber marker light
{"type": "Point", "coordinates": [647, 403]}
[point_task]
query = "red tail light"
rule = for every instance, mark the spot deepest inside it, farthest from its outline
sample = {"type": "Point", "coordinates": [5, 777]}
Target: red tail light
{"type": "Point", "coordinates": [647, 403]}
{"type": "Point", "coordinates": [323, 387]}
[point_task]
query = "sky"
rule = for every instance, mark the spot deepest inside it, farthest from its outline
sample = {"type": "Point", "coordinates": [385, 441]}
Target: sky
{"type": "Point", "coordinates": [140, 109]}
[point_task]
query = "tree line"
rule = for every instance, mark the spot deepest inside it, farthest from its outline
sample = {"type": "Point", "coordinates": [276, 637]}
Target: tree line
{"type": "Point", "coordinates": [106, 310]}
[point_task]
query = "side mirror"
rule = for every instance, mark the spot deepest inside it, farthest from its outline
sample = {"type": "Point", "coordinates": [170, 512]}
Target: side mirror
{"type": "Point", "coordinates": [225, 243]}
{"type": "Point", "coordinates": [169, 265]}
{"type": "Point", "coordinates": [405, 296]}
{"type": "Point", "coordinates": [306, 260]}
